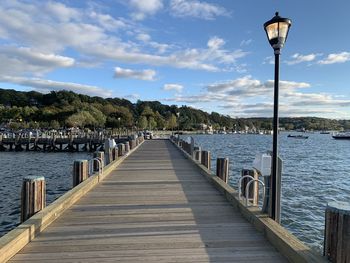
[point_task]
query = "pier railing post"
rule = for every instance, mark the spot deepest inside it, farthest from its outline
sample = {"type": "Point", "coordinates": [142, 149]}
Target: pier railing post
{"type": "Point", "coordinates": [33, 196]}
{"type": "Point", "coordinates": [206, 159]}
{"type": "Point", "coordinates": [120, 149]}
{"type": "Point", "coordinates": [337, 232]}
{"type": "Point", "coordinates": [197, 153]}
{"type": "Point", "coordinates": [127, 147]}
{"type": "Point", "coordinates": [100, 155]}
{"type": "Point", "coordinates": [222, 165]}
{"type": "Point", "coordinates": [254, 189]}
{"type": "Point", "coordinates": [80, 171]}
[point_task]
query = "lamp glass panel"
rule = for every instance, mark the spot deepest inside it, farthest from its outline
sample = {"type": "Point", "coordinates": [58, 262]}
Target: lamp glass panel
{"type": "Point", "coordinates": [283, 29]}
{"type": "Point", "coordinates": [272, 31]}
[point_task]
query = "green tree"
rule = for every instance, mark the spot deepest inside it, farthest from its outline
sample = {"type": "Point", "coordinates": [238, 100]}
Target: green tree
{"type": "Point", "coordinates": [152, 123]}
{"type": "Point", "coordinates": [171, 122]}
{"type": "Point", "coordinates": [142, 123]}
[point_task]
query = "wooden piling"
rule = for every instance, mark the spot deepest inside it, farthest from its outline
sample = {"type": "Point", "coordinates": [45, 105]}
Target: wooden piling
{"type": "Point", "coordinates": [337, 232]}
{"type": "Point", "coordinates": [100, 155]}
{"type": "Point", "coordinates": [33, 196]}
{"type": "Point", "coordinates": [222, 171]}
{"type": "Point", "coordinates": [80, 171]}
{"type": "Point", "coordinates": [120, 149]}
{"type": "Point", "coordinates": [205, 159]}
{"type": "Point", "coordinates": [114, 153]}
{"type": "Point", "coordinates": [127, 147]}
{"type": "Point", "coordinates": [254, 188]}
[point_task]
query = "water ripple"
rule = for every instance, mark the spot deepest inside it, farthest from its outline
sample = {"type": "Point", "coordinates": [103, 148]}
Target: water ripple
{"type": "Point", "coordinates": [55, 167]}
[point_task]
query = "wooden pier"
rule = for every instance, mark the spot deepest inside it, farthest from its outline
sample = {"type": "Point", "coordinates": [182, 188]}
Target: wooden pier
{"type": "Point", "coordinates": [159, 206]}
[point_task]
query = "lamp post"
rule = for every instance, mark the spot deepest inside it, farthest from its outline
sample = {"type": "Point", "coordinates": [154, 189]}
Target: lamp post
{"type": "Point", "coordinates": [277, 31]}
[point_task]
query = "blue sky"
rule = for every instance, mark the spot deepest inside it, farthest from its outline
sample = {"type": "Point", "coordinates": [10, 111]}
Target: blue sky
{"type": "Point", "coordinates": [211, 55]}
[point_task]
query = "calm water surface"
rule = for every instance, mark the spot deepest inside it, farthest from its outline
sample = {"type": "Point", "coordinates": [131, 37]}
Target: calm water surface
{"type": "Point", "coordinates": [55, 167]}
{"type": "Point", "coordinates": [315, 171]}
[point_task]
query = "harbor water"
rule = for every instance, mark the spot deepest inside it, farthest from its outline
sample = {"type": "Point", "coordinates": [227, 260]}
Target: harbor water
{"type": "Point", "coordinates": [55, 167]}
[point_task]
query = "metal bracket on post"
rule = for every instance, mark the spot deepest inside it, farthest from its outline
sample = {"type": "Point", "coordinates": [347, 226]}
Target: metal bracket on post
{"type": "Point", "coordinates": [100, 167]}
{"type": "Point", "coordinates": [247, 189]}
{"type": "Point", "coordinates": [240, 185]}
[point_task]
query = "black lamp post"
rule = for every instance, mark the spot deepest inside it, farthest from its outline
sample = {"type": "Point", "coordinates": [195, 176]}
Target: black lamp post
{"type": "Point", "coordinates": [277, 31]}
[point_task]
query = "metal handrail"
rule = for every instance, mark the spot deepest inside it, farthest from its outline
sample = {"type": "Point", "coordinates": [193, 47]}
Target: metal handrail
{"type": "Point", "coordinates": [247, 189]}
{"type": "Point", "coordinates": [240, 184]}
{"type": "Point", "coordinates": [100, 167]}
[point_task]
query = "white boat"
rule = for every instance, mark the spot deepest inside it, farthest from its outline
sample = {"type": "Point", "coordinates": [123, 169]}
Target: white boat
{"type": "Point", "coordinates": [341, 136]}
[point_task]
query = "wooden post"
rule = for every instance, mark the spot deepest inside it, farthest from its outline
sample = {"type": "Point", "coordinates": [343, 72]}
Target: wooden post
{"type": "Point", "coordinates": [337, 232]}
{"type": "Point", "coordinates": [222, 168]}
{"type": "Point", "coordinates": [120, 149]}
{"type": "Point", "coordinates": [205, 159]}
{"type": "Point", "coordinates": [80, 171]}
{"type": "Point", "coordinates": [114, 153]}
{"type": "Point", "coordinates": [197, 155]}
{"type": "Point", "coordinates": [100, 155]}
{"type": "Point", "coordinates": [132, 144]}
{"type": "Point", "coordinates": [33, 196]}
{"type": "Point", "coordinates": [254, 188]}
{"type": "Point", "coordinates": [127, 147]}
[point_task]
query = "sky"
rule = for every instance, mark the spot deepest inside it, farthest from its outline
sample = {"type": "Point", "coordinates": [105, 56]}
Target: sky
{"type": "Point", "coordinates": [208, 54]}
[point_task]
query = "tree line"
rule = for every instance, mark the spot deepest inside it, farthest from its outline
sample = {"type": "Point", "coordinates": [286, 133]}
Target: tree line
{"type": "Point", "coordinates": [67, 109]}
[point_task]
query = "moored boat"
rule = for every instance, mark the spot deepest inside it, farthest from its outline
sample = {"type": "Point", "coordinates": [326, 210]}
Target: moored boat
{"type": "Point", "coordinates": [297, 136]}
{"type": "Point", "coordinates": [342, 136]}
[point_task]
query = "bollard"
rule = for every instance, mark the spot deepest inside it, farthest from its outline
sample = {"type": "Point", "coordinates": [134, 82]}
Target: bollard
{"type": "Point", "coordinates": [114, 153]}
{"type": "Point", "coordinates": [337, 232]}
{"type": "Point", "coordinates": [127, 147]}
{"type": "Point", "coordinates": [222, 168]}
{"type": "Point", "coordinates": [132, 144]}
{"type": "Point", "coordinates": [80, 171]}
{"type": "Point", "coordinates": [205, 159]}
{"type": "Point", "coordinates": [33, 196]}
{"type": "Point", "coordinates": [197, 155]}
{"type": "Point", "coordinates": [254, 188]}
{"type": "Point", "coordinates": [100, 155]}
{"type": "Point", "coordinates": [120, 149]}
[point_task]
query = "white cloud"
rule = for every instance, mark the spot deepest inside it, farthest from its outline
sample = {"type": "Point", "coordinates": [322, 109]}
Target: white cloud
{"type": "Point", "coordinates": [55, 32]}
{"type": "Point", "coordinates": [246, 42]}
{"type": "Point", "coordinates": [336, 58]}
{"type": "Point", "coordinates": [133, 96]}
{"type": "Point", "coordinates": [147, 74]}
{"type": "Point", "coordinates": [143, 37]}
{"type": "Point", "coordinates": [24, 60]}
{"type": "Point", "coordinates": [248, 97]}
{"type": "Point", "coordinates": [215, 42]}
{"type": "Point", "coordinates": [44, 85]}
{"type": "Point", "coordinates": [176, 87]}
{"type": "Point", "coordinates": [196, 9]}
{"type": "Point", "coordinates": [298, 58]}
{"type": "Point", "coordinates": [269, 60]}
{"type": "Point", "coordinates": [145, 7]}
{"type": "Point", "coordinates": [161, 48]}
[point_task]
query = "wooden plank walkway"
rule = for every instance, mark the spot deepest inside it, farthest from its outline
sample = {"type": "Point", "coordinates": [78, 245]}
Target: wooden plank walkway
{"type": "Point", "coordinates": [155, 207]}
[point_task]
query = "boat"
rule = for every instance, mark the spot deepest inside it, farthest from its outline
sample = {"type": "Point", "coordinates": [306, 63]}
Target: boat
{"type": "Point", "coordinates": [297, 136]}
{"type": "Point", "coordinates": [324, 132]}
{"type": "Point", "coordinates": [342, 136]}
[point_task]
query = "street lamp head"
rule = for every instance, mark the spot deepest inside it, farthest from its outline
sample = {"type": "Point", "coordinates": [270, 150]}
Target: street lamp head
{"type": "Point", "coordinates": [277, 31]}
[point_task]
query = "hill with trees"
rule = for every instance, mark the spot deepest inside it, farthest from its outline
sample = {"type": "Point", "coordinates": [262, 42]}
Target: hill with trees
{"type": "Point", "coordinates": [57, 109]}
